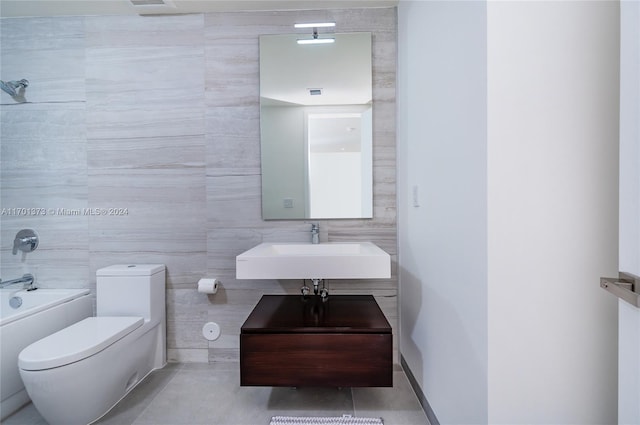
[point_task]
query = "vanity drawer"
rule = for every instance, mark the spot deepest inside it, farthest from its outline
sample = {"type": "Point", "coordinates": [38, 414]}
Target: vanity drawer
{"type": "Point", "coordinates": [316, 359]}
{"type": "Point", "coordinates": [344, 341]}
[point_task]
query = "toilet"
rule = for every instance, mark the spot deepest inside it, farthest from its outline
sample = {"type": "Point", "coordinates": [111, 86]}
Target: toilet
{"type": "Point", "coordinates": [78, 374]}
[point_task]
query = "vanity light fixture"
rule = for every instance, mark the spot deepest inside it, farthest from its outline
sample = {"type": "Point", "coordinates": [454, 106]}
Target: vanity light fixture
{"type": "Point", "coordinates": [316, 25]}
{"type": "Point", "coordinates": [316, 39]}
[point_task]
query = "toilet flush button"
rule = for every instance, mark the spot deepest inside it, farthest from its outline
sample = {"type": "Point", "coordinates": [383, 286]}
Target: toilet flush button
{"type": "Point", "coordinates": [211, 331]}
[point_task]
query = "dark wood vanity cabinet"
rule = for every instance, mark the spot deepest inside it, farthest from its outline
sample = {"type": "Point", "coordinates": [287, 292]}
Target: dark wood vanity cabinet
{"type": "Point", "coordinates": [288, 340]}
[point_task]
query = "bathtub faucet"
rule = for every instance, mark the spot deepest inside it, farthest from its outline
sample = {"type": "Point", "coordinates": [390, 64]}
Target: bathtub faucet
{"type": "Point", "coordinates": [26, 241]}
{"type": "Point", "coordinates": [27, 279]}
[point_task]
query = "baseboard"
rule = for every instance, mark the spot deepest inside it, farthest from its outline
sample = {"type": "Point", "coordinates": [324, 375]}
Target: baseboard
{"type": "Point", "coordinates": [433, 420]}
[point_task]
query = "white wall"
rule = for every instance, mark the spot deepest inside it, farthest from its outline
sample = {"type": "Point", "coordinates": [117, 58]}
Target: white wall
{"type": "Point", "coordinates": [513, 145]}
{"type": "Point", "coordinates": [442, 243]}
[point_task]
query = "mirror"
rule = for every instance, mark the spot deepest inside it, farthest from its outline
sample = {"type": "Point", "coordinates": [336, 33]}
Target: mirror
{"type": "Point", "coordinates": [316, 127]}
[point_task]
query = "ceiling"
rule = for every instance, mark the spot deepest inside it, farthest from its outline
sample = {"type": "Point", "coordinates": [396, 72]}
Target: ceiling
{"type": "Point", "coordinates": [23, 8]}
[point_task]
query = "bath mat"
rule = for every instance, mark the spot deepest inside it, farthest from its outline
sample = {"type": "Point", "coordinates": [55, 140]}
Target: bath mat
{"type": "Point", "coordinates": [328, 420]}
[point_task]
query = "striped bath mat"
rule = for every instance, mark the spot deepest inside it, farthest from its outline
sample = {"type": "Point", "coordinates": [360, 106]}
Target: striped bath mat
{"type": "Point", "coordinates": [328, 420]}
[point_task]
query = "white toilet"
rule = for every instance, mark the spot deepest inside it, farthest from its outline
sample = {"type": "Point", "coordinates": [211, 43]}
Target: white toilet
{"type": "Point", "coordinates": [78, 374]}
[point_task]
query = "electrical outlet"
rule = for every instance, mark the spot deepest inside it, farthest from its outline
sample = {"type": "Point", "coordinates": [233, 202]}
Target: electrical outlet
{"type": "Point", "coordinates": [287, 202]}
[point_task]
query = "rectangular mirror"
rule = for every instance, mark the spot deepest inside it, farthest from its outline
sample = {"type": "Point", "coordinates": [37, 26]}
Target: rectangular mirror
{"type": "Point", "coordinates": [316, 127]}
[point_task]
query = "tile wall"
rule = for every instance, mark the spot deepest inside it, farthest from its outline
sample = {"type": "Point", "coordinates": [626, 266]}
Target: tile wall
{"type": "Point", "coordinates": [160, 116]}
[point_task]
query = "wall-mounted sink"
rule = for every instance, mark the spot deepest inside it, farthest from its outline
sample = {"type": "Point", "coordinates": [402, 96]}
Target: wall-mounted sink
{"type": "Point", "coordinates": [335, 260]}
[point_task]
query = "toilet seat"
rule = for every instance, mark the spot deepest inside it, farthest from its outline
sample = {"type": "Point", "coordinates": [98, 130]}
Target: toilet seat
{"type": "Point", "coordinates": [76, 342]}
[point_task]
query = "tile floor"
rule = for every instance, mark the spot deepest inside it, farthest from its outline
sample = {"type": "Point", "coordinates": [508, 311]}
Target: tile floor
{"type": "Point", "coordinates": [194, 394]}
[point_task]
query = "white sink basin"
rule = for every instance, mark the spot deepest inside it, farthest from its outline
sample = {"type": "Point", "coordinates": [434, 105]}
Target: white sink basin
{"type": "Point", "coordinates": [338, 260]}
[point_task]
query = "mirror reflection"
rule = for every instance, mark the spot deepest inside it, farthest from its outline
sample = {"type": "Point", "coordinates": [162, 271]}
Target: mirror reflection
{"type": "Point", "coordinates": [316, 127]}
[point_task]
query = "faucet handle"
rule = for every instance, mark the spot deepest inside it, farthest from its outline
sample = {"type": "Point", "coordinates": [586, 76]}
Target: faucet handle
{"type": "Point", "coordinates": [26, 240]}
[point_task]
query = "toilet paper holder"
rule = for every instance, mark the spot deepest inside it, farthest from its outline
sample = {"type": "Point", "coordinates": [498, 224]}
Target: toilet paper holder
{"type": "Point", "coordinates": [208, 285]}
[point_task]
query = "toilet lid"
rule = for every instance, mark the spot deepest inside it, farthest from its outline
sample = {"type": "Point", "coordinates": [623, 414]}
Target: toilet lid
{"type": "Point", "coordinates": [77, 342]}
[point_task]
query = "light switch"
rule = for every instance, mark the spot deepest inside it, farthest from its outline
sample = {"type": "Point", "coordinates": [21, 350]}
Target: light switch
{"type": "Point", "coordinates": [416, 196]}
{"type": "Point", "coordinates": [288, 202]}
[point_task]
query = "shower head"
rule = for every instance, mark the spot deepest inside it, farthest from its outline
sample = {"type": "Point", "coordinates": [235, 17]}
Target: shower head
{"type": "Point", "coordinates": [12, 87]}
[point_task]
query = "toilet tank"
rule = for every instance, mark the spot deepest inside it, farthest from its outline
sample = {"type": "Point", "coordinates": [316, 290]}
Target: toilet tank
{"type": "Point", "coordinates": [131, 290]}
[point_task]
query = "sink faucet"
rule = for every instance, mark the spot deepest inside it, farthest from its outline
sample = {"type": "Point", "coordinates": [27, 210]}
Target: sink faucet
{"type": "Point", "coordinates": [315, 233]}
{"type": "Point", "coordinates": [27, 279]}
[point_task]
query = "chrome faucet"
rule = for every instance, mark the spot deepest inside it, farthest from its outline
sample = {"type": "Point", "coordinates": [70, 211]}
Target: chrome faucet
{"type": "Point", "coordinates": [27, 279]}
{"type": "Point", "coordinates": [315, 233]}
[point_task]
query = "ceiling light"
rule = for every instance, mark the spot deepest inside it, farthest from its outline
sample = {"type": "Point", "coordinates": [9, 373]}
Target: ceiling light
{"type": "Point", "coordinates": [316, 25]}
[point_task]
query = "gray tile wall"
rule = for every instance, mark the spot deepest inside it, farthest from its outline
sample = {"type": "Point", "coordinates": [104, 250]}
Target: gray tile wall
{"type": "Point", "coordinates": [160, 115]}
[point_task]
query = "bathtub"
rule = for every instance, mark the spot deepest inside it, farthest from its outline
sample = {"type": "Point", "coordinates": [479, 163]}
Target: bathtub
{"type": "Point", "coordinates": [40, 313]}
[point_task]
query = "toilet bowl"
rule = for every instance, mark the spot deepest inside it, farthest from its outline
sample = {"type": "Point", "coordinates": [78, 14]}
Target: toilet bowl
{"type": "Point", "coordinates": [78, 374]}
